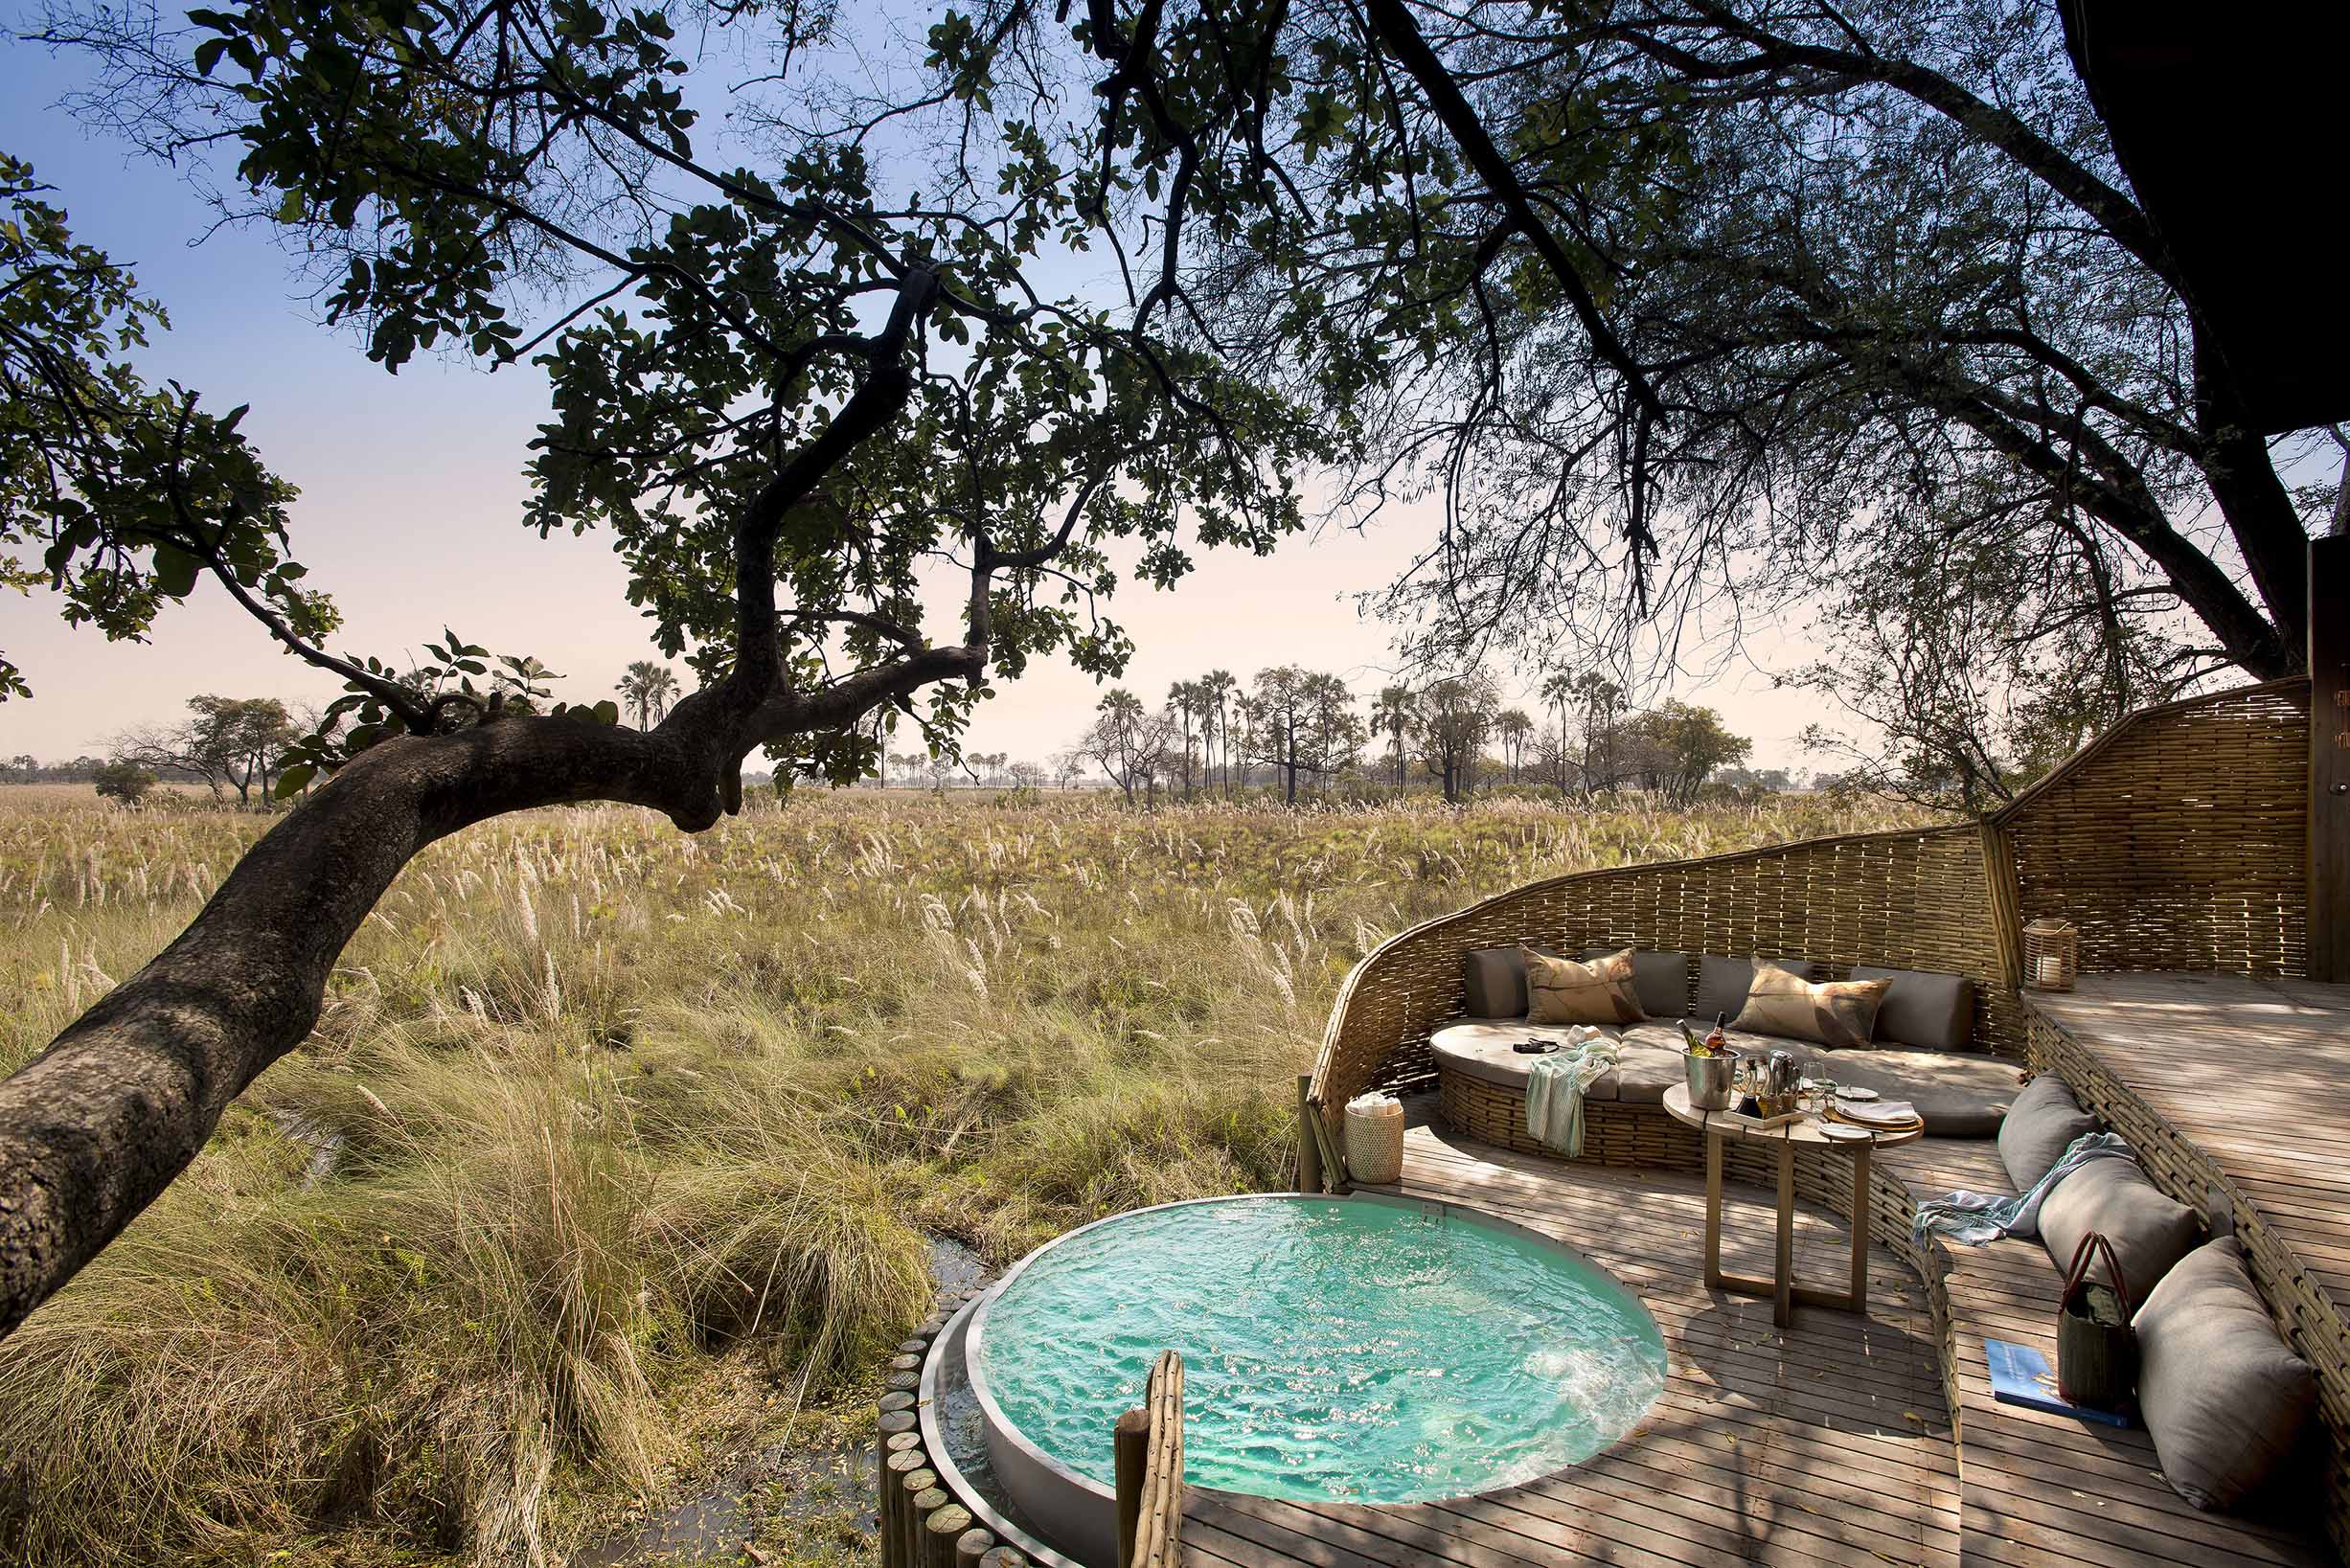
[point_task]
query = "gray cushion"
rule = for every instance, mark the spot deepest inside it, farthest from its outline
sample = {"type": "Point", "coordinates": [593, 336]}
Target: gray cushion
{"type": "Point", "coordinates": [1662, 980]}
{"type": "Point", "coordinates": [2222, 1397]}
{"type": "Point", "coordinates": [2149, 1231]}
{"type": "Point", "coordinates": [1958, 1094]}
{"type": "Point", "coordinates": [1934, 1011]}
{"type": "Point", "coordinates": [1481, 1049]}
{"type": "Point", "coordinates": [1646, 1072]}
{"type": "Point", "coordinates": [2041, 1126]}
{"type": "Point", "coordinates": [1723, 983]}
{"type": "Point", "coordinates": [1494, 982]}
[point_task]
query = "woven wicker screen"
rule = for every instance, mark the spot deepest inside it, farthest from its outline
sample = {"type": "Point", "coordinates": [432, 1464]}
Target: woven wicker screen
{"type": "Point", "coordinates": [1914, 900]}
{"type": "Point", "coordinates": [2177, 842]}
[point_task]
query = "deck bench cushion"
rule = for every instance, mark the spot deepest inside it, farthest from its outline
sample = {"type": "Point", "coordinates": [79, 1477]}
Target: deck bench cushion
{"type": "Point", "coordinates": [2039, 1127]}
{"type": "Point", "coordinates": [2150, 1230]}
{"type": "Point", "coordinates": [1931, 1012]}
{"type": "Point", "coordinates": [2225, 1400]}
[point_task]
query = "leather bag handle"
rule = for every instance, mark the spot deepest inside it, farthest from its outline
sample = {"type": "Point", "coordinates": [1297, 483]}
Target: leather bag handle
{"type": "Point", "coordinates": [2083, 1256]}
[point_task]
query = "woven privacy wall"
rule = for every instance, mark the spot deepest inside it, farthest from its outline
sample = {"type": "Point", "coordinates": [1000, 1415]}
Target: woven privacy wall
{"type": "Point", "coordinates": [2178, 840]}
{"type": "Point", "coordinates": [1912, 900]}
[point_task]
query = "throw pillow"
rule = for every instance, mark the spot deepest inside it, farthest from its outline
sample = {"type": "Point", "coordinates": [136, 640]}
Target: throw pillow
{"type": "Point", "coordinates": [1559, 991]}
{"type": "Point", "coordinates": [2039, 1127]}
{"type": "Point", "coordinates": [1841, 1013]}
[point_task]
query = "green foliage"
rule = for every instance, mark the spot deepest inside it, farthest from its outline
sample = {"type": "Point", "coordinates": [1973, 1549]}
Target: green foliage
{"type": "Point", "coordinates": [115, 494]}
{"type": "Point", "coordinates": [125, 782]}
{"type": "Point", "coordinates": [707, 331]}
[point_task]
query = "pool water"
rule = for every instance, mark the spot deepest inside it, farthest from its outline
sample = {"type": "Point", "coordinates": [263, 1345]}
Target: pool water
{"type": "Point", "coordinates": [1354, 1349]}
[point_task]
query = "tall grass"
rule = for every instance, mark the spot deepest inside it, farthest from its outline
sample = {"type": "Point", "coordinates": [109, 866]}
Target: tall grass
{"type": "Point", "coordinates": [608, 1135]}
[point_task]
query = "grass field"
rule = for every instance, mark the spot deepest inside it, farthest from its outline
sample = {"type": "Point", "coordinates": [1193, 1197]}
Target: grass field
{"type": "Point", "coordinates": [615, 1148]}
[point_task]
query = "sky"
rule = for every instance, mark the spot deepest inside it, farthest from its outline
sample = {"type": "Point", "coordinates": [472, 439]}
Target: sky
{"type": "Point", "coordinates": [412, 499]}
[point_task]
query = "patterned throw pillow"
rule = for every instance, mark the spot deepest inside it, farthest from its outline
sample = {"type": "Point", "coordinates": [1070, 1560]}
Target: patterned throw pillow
{"type": "Point", "coordinates": [1840, 1012]}
{"type": "Point", "coordinates": [1558, 990]}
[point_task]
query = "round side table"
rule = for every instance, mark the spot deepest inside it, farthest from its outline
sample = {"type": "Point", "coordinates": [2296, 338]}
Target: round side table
{"type": "Point", "coordinates": [1719, 1126]}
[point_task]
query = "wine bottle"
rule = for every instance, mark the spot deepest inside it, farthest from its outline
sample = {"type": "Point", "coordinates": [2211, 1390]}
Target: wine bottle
{"type": "Point", "coordinates": [1697, 1047]}
{"type": "Point", "coordinates": [1717, 1041]}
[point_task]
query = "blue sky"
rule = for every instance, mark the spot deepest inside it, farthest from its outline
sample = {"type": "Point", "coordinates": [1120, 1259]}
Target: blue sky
{"type": "Point", "coordinates": [412, 498]}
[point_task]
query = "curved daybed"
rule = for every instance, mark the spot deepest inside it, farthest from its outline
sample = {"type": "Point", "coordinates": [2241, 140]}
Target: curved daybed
{"type": "Point", "coordinates": [1920, 1053]}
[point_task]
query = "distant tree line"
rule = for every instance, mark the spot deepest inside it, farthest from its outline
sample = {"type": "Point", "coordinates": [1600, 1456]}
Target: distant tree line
{"type": "Point", "coordinates": [1293, 731]}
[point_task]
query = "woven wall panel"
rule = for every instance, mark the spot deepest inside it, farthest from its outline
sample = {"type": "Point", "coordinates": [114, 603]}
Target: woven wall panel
{"type": "Point", "coordinates": [2179, 841]}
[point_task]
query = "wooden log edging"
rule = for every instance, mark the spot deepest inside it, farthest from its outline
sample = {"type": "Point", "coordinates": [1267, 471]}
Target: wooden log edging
{"type": "Point", "coordinates": [1147, 1446]}
{"type": "Point", "coordinates": [2303, 1310]}
{"type": "Point", "coordinates": [920, 1522]}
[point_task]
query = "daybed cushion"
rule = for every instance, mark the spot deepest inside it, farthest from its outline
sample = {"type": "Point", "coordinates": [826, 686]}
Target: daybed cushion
{"type": "Point", "coordinates": [2224, 1398]}
{"type": "Point", "coordinates": [1836, 1012]}
{"type": "Point", "coordinates": [1932, 1011]}
{"type": "Point", "coordinates": [2039, 1127]}
{"type": "Point", "coordinates": [1662, 980]}
{"type": "Point", "coordinates": [1561, 991]}
{"type": "Point", "coordinates": [1723, 983]}
{"type": "Point", "coordinates": [1481, 1049]}
{"type": "Point", "coordinates": [1958, 1094]}
{"type": "Point", "coordinates": [2149, 1231]}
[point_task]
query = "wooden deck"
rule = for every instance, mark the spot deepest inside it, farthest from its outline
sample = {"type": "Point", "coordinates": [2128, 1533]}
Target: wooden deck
{"type": "Point", "coordinates": [1832, 1442]}
{"type": "Point", "coordinates": [1828, 1444]}
{"type": "Point", "coordinates": [2232, 1094]}
{"type": "Point", "coordinates": [2254, 1072]}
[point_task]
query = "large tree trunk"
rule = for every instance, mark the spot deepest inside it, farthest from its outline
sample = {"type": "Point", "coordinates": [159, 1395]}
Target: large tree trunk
{"type": "Point", "coordinates": [96, 1126]}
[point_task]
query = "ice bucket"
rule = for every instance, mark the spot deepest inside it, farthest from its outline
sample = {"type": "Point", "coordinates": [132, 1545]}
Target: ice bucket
{"type": "Point", "coordinates": [1710, 1079]}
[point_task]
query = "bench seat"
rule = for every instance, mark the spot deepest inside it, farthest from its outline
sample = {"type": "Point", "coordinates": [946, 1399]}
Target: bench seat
{"type": "Point", "coordinates": [2041, 1488]}
{"type": "Point", "coordinates": [1958, 1094]}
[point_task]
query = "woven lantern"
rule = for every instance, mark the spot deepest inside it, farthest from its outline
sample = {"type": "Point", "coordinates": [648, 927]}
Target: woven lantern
{"type": "Point", "coordinates": [1373, 1138]}
{"type": "Point", "coordinates": [2051, 955]}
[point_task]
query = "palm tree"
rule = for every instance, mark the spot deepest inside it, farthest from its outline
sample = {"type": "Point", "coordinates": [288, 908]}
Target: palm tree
{"type": "Point", "coordinates": [1219, 684]}
{"type": "Point", "coordinates": [1559, 695]}
{"type": "Point", "coordinates": [1391, 715]}
{"type": "Point", "coordinates": [1513, 725]}
{"type": "Point", "coordinates": [647, 689]}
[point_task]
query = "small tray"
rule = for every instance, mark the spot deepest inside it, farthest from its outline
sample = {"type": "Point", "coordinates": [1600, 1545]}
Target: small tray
{"type": "Point", "coordinates": [1758, 1123]}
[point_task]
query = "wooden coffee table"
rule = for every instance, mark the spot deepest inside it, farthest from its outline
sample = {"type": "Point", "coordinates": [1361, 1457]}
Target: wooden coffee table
{"type": "Point", "coordinates": [1783, 1290]}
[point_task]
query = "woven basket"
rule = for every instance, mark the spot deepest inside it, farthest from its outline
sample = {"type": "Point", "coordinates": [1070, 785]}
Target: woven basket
{"type": "Point", "coordinates": [1375, 1142]}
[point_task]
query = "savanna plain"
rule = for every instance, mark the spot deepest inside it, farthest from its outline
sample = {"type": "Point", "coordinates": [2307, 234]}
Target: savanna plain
{"type": "Point", "coordinates": [618, 1153]}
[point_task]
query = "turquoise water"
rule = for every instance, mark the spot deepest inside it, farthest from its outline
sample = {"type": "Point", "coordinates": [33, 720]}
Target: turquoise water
{"type": "Point", "coordinates": [1352, 1349]}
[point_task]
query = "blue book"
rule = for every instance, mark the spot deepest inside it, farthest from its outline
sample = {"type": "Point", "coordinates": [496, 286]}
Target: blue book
{"type": "Point", "coordinates": [2021, 1375]}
